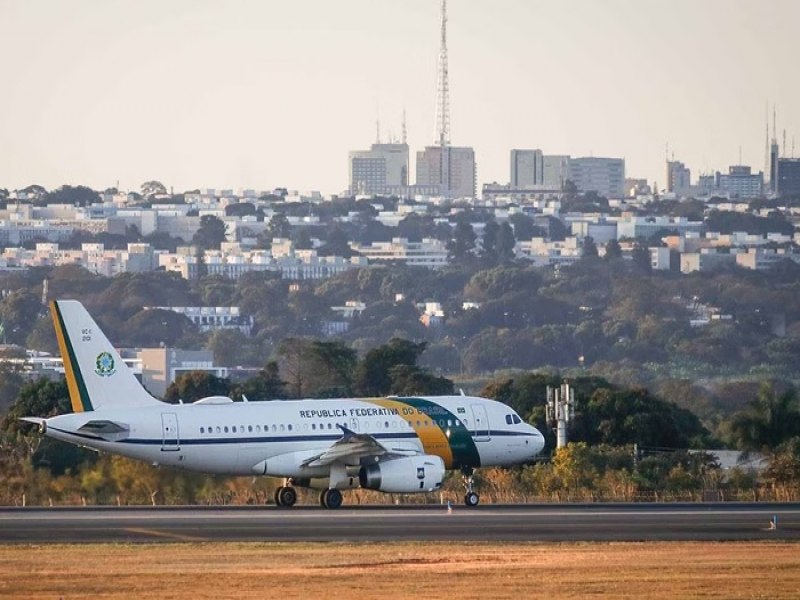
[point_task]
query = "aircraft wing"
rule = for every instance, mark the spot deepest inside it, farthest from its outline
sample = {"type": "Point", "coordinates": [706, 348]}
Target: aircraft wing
{"type": "Point", "coordinates": [351, 448]}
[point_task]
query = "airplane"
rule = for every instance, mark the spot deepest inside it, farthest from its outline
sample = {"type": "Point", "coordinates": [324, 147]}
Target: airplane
{"type": "Point", "coordinates": [390, 444]}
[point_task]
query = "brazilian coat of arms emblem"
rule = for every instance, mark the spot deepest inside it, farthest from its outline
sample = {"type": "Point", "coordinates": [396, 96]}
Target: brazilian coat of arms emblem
{"type": "Point", "coordinates": [104, 365]}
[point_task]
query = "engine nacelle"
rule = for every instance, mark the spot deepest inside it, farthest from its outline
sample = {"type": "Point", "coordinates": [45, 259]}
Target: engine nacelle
{"type": "Point", "coordinates": [406, 475]}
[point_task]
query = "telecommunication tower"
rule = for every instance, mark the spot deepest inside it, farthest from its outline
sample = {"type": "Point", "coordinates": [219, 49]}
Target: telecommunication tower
{"type": "Point", "coordinates": [560, 411]}
{"type": "Point", "coordinates": [443, 88]}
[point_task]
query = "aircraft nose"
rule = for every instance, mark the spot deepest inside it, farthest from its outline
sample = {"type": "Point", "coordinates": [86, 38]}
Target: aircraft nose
{"type": "Point", "coordinates": [537, 441]}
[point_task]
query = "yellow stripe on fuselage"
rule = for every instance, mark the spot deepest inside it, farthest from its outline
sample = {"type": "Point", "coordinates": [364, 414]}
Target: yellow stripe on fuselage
{"type": "Point", "coordinates": [434, 439]}
{"type": "Point", "coordinates": [69, 368]}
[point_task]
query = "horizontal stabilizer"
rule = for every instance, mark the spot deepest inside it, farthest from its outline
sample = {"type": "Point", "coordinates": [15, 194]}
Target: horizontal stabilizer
{"type": "Point", "coordinates": [105, 430]}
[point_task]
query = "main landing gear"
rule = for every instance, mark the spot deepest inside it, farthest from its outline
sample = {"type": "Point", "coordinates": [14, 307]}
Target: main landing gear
{"type": "Point", "coordinates": [285, 496]}
{"type": "Point", "coordinates": [471, 498]}
{"type": "Point", "coordinates": [330, 498]}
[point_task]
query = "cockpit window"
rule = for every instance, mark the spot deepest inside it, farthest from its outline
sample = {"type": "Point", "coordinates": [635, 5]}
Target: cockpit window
{"type": "Point", "coordinates": [517, 420]}
{"type": "Point", "coordinates": [509, 420]}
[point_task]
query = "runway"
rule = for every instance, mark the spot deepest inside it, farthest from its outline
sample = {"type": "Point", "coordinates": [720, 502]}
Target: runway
{"type": "Point", "coordinates": [542, 522]}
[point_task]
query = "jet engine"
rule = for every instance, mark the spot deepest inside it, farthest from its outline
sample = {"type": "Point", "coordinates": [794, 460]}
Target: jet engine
{"type": "Point", "coordinates": [405, 475]}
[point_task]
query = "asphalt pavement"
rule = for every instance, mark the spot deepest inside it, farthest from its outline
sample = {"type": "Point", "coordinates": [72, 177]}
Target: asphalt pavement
{"type": "Point", "coordinates": [486, 523]}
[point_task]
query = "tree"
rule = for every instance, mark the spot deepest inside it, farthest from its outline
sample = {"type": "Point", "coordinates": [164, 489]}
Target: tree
{"type": "Point", "coordinates": [266, 385]}
{"type": "Point", "coordinates": [771, 419]}
{"type": "Point", "coordinates": [461, 246]}
{"type": "Point", "coordinates": [210, 234]}
{"type": "Point", "coordinates": [613, 250]}
{"type": "Point", "coordinates": [77, 196]}
{"type": "Point", "coordinates": [240, 209]}
{"type": "Point", "coordinates": [373, 374]}
{"type": "Point", "coordinates": [589, 247]}
{"type": "Point", "coordinates": [506, 243]}
{"type": "Point", "coordinates": [279, 226]}
{"type": "Point", "coordinates": [195, 385]}
{"type": "Point", "coordinates": [19, 312]}
{"type": "Point", "coordinates": [641, 257]}
{"type": "Point", "coordinates": [409, 380]}
{"type": "Point", "coordinates": [489, 242]}
{"type": "Point", "coordinates": [152, 188]}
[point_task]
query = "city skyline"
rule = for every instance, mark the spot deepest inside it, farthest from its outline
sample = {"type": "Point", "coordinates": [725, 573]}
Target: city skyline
{"type": "Point", "coordinates": [201, 94]}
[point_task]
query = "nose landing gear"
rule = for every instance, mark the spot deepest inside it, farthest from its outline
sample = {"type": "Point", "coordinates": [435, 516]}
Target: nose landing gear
{"type": "Point", "coordinates": [471, 498]}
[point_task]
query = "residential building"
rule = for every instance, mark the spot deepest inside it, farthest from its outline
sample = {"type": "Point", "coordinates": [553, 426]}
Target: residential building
{"type": "Point", "coordinates": [429, 252]}
{"type": "Point", "coordinates": [452, 168]}
{"type": "Point", "coordinates": [605, 176]}
{"type": "Point", "coordinates": [630, 226]}
{"type": "Point", "coordinates": [707, 259]}
{"type": "Point", "coordinates": [527, 169]}
{"type": "Point", "coordinates": [211, 318]}
{"type": "Point", "coordinates": [542, 252]}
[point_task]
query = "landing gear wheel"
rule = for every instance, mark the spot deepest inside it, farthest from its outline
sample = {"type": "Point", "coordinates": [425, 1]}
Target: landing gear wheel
{"type": "Point", "coordinates": [470, 498]}
{"type": "Point", "coordinates": [331, 499]}
{"type": "Point", "coordinates": [285, 496]}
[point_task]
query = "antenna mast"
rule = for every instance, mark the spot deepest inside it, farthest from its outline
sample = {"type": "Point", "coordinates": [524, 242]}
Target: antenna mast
{"type": "Point", "coordinates": [404, 137]}
{"type": "Point", "coordinates": [443, 88]}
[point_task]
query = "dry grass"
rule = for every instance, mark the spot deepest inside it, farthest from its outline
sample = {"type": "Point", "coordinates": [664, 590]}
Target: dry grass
{"type": "Point", "coordinates": [402, 570]}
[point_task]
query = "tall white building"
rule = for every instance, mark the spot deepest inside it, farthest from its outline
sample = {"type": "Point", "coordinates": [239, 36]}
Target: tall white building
{"type": "Point", "coordinates": [452, 168]}
{"type": "Point", "coordinates": [606, 176]}
{"type": "Point", "coordinates": [526, 169]}
{"type": "Point", "coordinates": [555, 171]}
{"type": "Point", "coordinates": [382, 166]}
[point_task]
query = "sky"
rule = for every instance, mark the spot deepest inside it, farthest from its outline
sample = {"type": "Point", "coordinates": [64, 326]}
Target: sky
{"type": "Point", "coordinates": [267, 93]}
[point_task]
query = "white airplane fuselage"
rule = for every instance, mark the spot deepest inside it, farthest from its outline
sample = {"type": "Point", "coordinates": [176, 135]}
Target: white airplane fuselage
{"type": "Point", "coordinates": [276, 437]}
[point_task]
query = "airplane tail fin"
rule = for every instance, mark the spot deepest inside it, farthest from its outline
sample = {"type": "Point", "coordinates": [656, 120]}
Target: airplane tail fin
{"type": "Point", "coordinates": [96, 375]}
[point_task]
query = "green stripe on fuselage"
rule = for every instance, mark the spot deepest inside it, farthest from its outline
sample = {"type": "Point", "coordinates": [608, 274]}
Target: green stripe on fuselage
{"type": "Point", "coordinates": [465, 453]}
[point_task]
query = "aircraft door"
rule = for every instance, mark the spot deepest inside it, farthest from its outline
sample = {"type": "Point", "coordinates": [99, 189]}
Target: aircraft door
{"type": "Point", "coordinates": [170, 439]}
{"type": "Point", "coordinates": [480, 423]}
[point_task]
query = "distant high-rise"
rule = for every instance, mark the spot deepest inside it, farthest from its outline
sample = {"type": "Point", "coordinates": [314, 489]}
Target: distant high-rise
{"type": "Point", "coordinates": [380, 170]}
{"type": "Point", "coordinates": [679, 177]}
{"type": "Point", "coordinates": [555, 171]}
{"type": "Point", "coordinates": [451, 168]}
{"type": "Point", "coordinates": [606, 176]}
{"type": "Point", "coordinates": [527, 168]}
{"type": "Point", "coordinates": [740, 182]}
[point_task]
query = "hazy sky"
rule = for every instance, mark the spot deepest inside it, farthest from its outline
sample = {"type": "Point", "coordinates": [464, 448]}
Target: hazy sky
{"type": "Point", "coordinates": [263, 93]}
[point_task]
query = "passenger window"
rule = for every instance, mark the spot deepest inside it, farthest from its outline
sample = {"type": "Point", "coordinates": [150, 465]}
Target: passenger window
{"type": "Point", "coordinates": [283, 427]}
{"type": "Point", "coordinates": [225, 429]}
{"type": "Point", "coordinates": [274, 428]}
{"type": "Point", "coordinates": [330, 425]}
{"type": "Point", "coordinates": [258, 428]}
{"type": "Point", "coordinates": [233, 429]}
{"type": "Point", "coordinates": [249, 428]}
{"type": "Point", "coordinates": [289, 427]}
{"type": "Point", "coordinates": [314, 426]}
{"type": "Point", "coordinates": [386, 424]}
{"type": "Point", "coordinates": [218, 429]}
{"type": "Point", "coordinates": [201, 430]}
{"type": "Point", "coordinates": [449, 422]}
